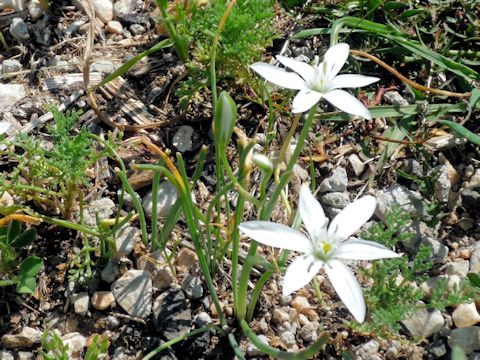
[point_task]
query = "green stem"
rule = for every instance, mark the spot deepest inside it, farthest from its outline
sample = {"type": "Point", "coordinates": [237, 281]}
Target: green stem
{"type": "Point", "coordinates": [155, 182]}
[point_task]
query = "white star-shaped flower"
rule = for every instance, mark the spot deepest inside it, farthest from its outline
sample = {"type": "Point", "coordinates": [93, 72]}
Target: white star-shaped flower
{"type": "Point", "coordinates": [325, 247]}
{"type": "Point", "coordinates": [317, 82]}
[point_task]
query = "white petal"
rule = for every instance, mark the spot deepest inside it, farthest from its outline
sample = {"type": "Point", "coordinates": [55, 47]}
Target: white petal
{"type": "Point", "coordinates": [353, 217]}
{"type": "Point", "coordinates": [347, 103]}
{"type": "Point", "coordinates": [276, 235]}
{"type": "Point", "coordinates": [304, 100]}
{"type": "Point", "coordinates": [282, 78]}
{"type": "Point", "coordinates": [347, 288]}
{"type": "Point", "coordinates": [4, 127]}
{"type": "Point", "coordinates": [351, 81]}
{"type": "Point", "coordinates": [358, 249]}
{"type": "Point", "coordinates": [299, 273]}
{"type": "Point", "coordinates": [334, 59]}
{"type": "Point", "coordinates": [306, 71]}
{"type": "Point", "coordinates": [311, 212]}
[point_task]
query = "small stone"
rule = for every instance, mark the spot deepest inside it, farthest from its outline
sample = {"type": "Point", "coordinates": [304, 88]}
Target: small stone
{"type": "Point", "coordinates": [467, 338]}
{"type": "Point", "coordinates": [182, 139]}
{"type": "Point", "coordinates": [337, 181]}
{"type": "Point", "coordinates": [393, 97]}
{"type": "Point", "coordinates": [11, 66]}
{"type": "Point", "coordinates": [186, 259]}
{"type": "Point", "coordinates": [172, 314]}
{"type": "Point", "coordinates": [309, 332]}
{"type": "Point", "coordinates": [75, 342]}
{"type": "Point", "coordinates": [338, 200]}
{"type": "Point", "coordinates": [303, 319]}
{"type": "Point", "coordinates": [280, 316]}
{"type": "Point", "coordinates": [465, 315]}
{"type": "Point", "coordinates": [103, 207]}
{"type": "Point", "coordinates": [35, 9]}
{"type": "Point", "coordinates": [424, 322]}
{"type": "Point", "coordinates": [80, 303]}
{"type": "Point", "coordinates": [137, 29]}
{"type": "Point", "coordinates": [27, 337]}
{"type": "Point", "coordinates": [6, 355]}
{"type": "Point", "coordinates": [19, 30]}
{"type": "Point", "coordinates": [438, 348]}
{"type": "Point", "coordinates": [102, 300]}
{"type": "Point", "coordinates": [252, 349]}
{"type": "Point", "coordinates": [111, 271]}
{"type": "Point", "coordinates": [471, 198]}
{"type": "Point", "coordinates": [167, 196]}
{"type": "Point", "coordinates": [133, 18]}
{"type": "Point", "coordinates": [288, 338]}
{"type": "Point", "coordinates": [125, 239]}
{"type": "Point", "coordinates": [114, 27]}
{"type": "Point", "coordinates": [301, 304]}
{"type": "Point", "coordinates": [441, 183]}
{"type": "Point", "coordinates": [458, 267]}
{"type": "Point", "coordinates": [159, 270]}
{"type": "Point", "coordinates": [22, 355]}
{"type": "Point", "coordinates": [475, 259]}
{"type": "Point", "coordinates": [102, 66]}
{"type": "Point", "coordinates": [192, 286]}
{"type": "Point", "coordinates": [11, 93]}
{"type": "Point", "coordinates": [357, 164]}
{"type": "Point", "coordinates": [439, 251]}
{"type": "Point", "coordinates": [124, 7]}
{"type": "Point", "coordinates": [300, 172]}
{"type": "Point", "coordinates": [453, 282]}
{"type": "Point", "coordinates": [367, 351]}
{"type": "Point", "coordinates": [133, 292]}
{"type": "Point", "coordinates": [103, 9]}
{"type": "Point", "coordinates": [203, 319]}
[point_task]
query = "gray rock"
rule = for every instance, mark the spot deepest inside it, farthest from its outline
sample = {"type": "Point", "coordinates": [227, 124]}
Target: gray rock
{"type": "Point", "coordinates": [35, 9]}
{"type": "Point", "coordinates": [438, 348]}
{"type": "Point", "coordinates": [424, 322]}
{"type": "Point", "coordinates": [65, 323]}
{"type": "Point", "coordinates": [133, 292]}
{"type": "Point", "coordinates": [471, 198]}
{"type": "Point", "coordinates": [458, 267]}
{"type": "Point", "coordinates": [111, 271]}
{"type": "Point", "coordinates": [394, 98]}
{"type": "Point", "coordinates": [412, 167]}
{"type": "Point", "coordinates": [337, 181]}
{"type": "Point", "coordinates": [203, 319]}
{"type": "Point", "coordinates": [159, 270]}
{"type": "Point", "coordinates": [398, 195]}
{"type": "Point", "coordinates": [338, 200]}
{"type": "Point", "coordinates": [439, 251]}
{"type": "Point", "coordinates": [11, 93]}
{"type": "Point", "coordinates": [308, 332]}
{"type": "Point", "coordinates": [80, 303]}
{"type": "Point", "coordinates": [367, 350]}
{"type": "Point", "coordinates": [288, 338]}
{"type": "Point", "coordinates": [453, 282]}
{"type": "Point", "coordinates": [172, 314]}
{"type": "Point", "coordinates": [133, 18]}
{"type": "Point", "coordinates": [23, 355]}
{"type": "Point", "coordinates": [468, 339]}
{"type": "Point", "coordinates": [19, 30]}
{"type": "Point", "coordinates": [167, 195]}
{"type": "Point", "coordinates": [125, 240]}
{"type": "Point", "coordinates": [103, 9]}
{"type": "Point", "coordinates": [6, 355]}
{"type": "Point", "coordinates": [11, 66]}
{"type": "Point", "coordinates": [182, 139]}
{"type": "Point", "coordinates": [137, 29]}
{"type": "Point", "coordinates": [27, 337]}
{"type": "Point", "coordinates": [357, 164]}
{"type": "Point", "coordinates": [441, 184]}
{"type": "Point", "coordinates": [128, 199]}
{"type": "Point", "coordinates": [192, 286]}
{"type": "Point", "coordinates": [475, 259]}
{"type": "Point", "coordinates": [252, 349]}
{"type": "Point", "coordinates": [103, 207]}
{"type": "Point", "coordinates": [124, 7]}
{"type": "Point", "coordinates": [300, 172]}
{"type": "Point", "coordinates": [102, 66]}
{"type": "Point", "coordinates": [75, 342]}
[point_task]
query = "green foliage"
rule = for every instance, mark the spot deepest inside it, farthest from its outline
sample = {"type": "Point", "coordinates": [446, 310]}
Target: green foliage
{"type": "Point", "coordinates": [97, 350]}
{"type": "Point", "coordinates": [53, 177]}
{"type": "Point", "coordinates": [53, 346]}
{"type": "Point", "coordinates": [12, 271]}
{"type": "Point", "coordinates": [443, 296]}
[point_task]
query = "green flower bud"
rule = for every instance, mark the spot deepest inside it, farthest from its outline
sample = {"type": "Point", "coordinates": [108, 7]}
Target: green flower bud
{"type": "Point", "coordinates": [225, 118]}
{"type": "Point", "coordinates": [263, 162]}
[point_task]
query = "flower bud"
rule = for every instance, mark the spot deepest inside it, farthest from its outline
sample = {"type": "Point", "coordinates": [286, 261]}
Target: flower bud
{"type": "Point", "coordinates": [225, 118]}
{"type": "Point", "coordinates": [263, 162]}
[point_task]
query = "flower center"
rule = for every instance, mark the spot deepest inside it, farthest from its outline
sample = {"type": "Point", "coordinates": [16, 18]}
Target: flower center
{"type": "Point", "coordinates": [318, 82]}
{"type": "Point", "coordinates": [326, 247]}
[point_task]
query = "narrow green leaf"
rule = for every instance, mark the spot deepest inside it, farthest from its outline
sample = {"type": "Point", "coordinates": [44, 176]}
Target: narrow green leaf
{"type": "Point", "coordinates": [461, 131]}
{"type": "Point", "coordinates": [474, 98]}
{"type": "Point", "coordinates": [128, 64]}
{"type": "Point", "coordinates": [392, 5]}
{"type": "Point", "coordinates": [412, 12]}
{"type": "Point", "coordinates": [474, 279]}
{"type": "Point", "coordinates": [24, 239]}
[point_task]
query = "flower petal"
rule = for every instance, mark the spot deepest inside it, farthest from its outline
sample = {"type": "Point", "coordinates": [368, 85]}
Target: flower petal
{"type": "Point", "coordinates": [333, 60]}
{"type": "Point", "coordinates": [347, 288]}
{"type": "Point", "coordinates": [353, 217]}
{"type": "Point", "coordinates": [306, 71]}
{"type": "Point", "coordinates": [347, 103]}
{"type": "Point", "coordinates": [276, 235]}
{"type": "Point", "coordinates": [358, 249]}
{"type": "Point", "coordinates": [351, 81]}
{"type": "Point", "coordinates": [282, 78]}
{"type": "Point", "coordinates": [304, 100]}
{"type": "Point", "coordinates": [299, 273]}
{"type": "Point", "coordinates": [4, 127]}
{"type": "Point", "coordinates": [311, 212]}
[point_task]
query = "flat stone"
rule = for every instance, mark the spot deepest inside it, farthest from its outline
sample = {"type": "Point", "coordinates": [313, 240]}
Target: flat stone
{"type": "Point", "coordinates": [19, 30]}
{"type": "Point", "coordinates": [158, 268]}
{"type": "Point", "coordinates": [192, 286]}
{"type": "Point", "coordinates": [338, 200]}
{"type": "Point", "coordinates": [167, 196]}
{"type": "Point", "coordinates": [393, 97]}
{"type": "Point", "coordinates": [11, 93]}
{"type": "Point", "coordinates": [424, 323]}
{"type": "Point", "coordinates": [252, 350]}
{"type": "Point", "coordinates": [465, 315]}
{"type": "Point", "coordinates": [182, 139]}
{"type": "Point", "coordinates": [475, 259]}
{"type": "Point", "coordinates": [124, 7]}
{"type": "Point", "coordinates": [102, 300]}
{"type": "Point", "coordinates": [357, 165]}
{"type": "Point", "coordinates": [172, 314]}
{"type": "Point", "coordinates": [337, 181]}
{"type": "Point", "coordinates": [11, 66]}
{"type": "Point", "coordinates": [309, 333]}
{"type": "Point", "coordinates": [133, 18]}
{"type": "Point", "coordinates": [6, 355]}
{"type": "Point", "coordinates": [133, 292]}
{"type": "Point", "coordinates": [439, 251]}
{"type": "Point", "coordinates": [367, 350]}
{"type": "Point", "coordinates": [453, 282]}
{"type": "Point", "coordinates": [80, 303]}
{"type": "Point", "coordinates": [103, 9]}
{"type": "Point", "coordinates": [186, 259]}
{"type": "Point", "coordinates": [103, 207]}
{"type": "Point", "coordinates": [125, 240]}
{"type": "Point", "coordinates": [35, 9]}
{"type": "Point", "coordinates": [111, 271]}
{"type": "Point", "coordinates": [467, 338]}
{"type": "Point", "coordinates": [102, 66]}
{"type": "Point", "coordinates": [458, 267]}
{"type": "Point", "coordinates": [114, 27]}
{"type": "Point", "coordinates": [137, 29]}
{"type": "Point", "coordinates": [75, 342]}
{"type": "Point", "coordinates": [441, 183]}
{"type": "Point", "coordinates": [27, 337]}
